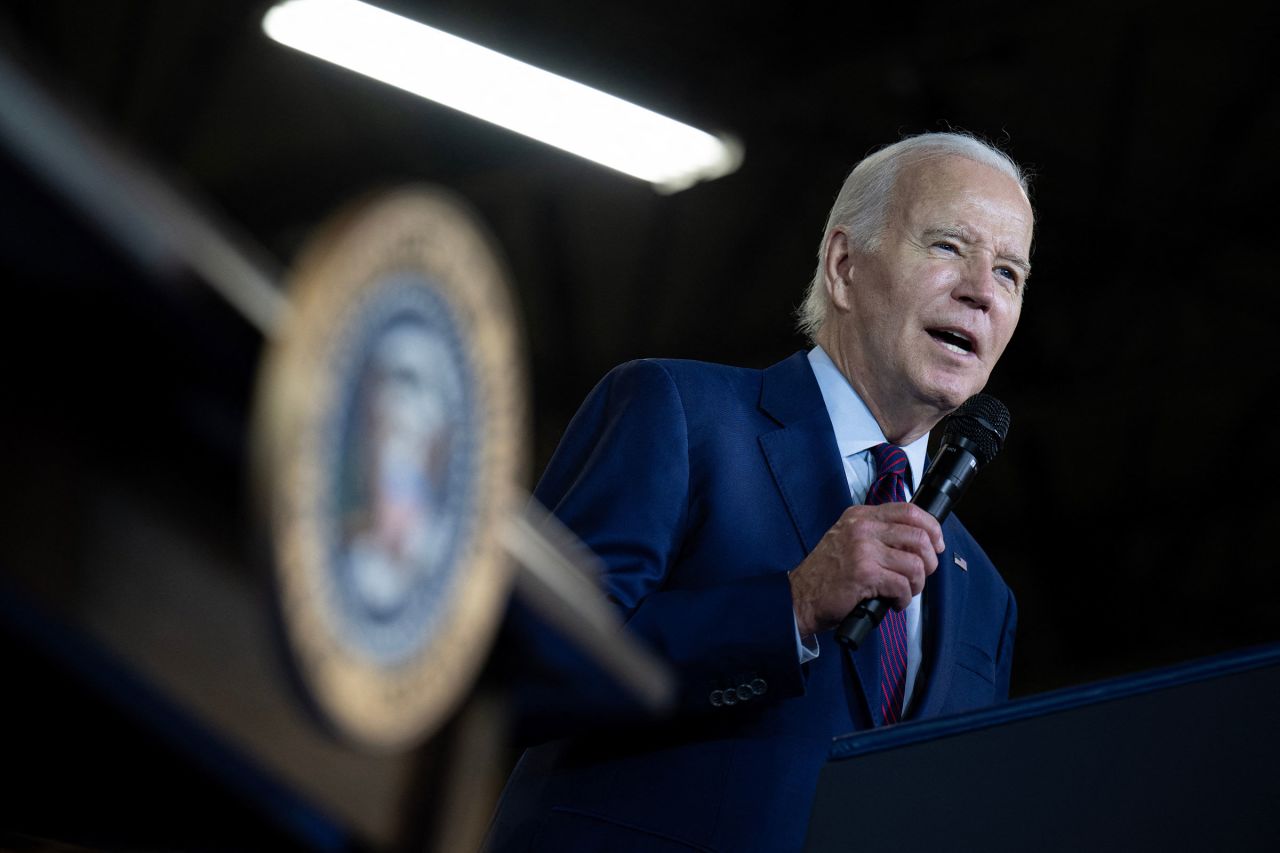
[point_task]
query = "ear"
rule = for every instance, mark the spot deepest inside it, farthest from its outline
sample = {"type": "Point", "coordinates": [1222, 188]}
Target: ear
{"type": "Point", "coordinates": [837, 267]}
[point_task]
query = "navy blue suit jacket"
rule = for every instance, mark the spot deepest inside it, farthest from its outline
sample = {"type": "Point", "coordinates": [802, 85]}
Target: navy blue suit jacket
{"type": "Point", "coordinates": [700, 486]}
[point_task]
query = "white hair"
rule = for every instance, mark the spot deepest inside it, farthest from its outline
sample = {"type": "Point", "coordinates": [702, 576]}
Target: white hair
{"type": "Point", "coordinates": [862, 206]}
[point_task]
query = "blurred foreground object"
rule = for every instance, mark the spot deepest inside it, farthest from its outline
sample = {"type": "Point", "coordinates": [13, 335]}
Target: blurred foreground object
{"type": "Point", "coordinates": [390, 439]}
{"type": "Point", "coordinates": [125, 565]}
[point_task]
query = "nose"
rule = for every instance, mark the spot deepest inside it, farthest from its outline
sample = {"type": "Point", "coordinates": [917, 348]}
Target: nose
{"type": "Point", "coordinates": [975, 287]}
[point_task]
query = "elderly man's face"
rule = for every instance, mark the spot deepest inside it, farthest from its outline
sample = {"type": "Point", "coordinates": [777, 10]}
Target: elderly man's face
{"type": "Point", "coordinates": [921, 320]}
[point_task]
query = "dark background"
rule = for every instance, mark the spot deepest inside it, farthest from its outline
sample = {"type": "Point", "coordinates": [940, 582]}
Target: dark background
{"type": "Point", "coordinates": [1131, 509]}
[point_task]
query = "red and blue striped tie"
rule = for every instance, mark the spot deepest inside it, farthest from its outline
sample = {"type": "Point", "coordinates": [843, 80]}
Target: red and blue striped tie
{"type": "Point", "coordinates": [891, 485]}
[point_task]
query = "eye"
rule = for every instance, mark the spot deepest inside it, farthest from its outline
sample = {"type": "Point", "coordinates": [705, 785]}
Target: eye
{"type": "Point", "coordinates": [1010, 275]}
{"type": "Point", "coordinates": [948, 245]}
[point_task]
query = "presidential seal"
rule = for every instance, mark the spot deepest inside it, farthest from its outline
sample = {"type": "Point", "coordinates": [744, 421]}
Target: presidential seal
{"type": "Point", "coordinates": [390, 438]}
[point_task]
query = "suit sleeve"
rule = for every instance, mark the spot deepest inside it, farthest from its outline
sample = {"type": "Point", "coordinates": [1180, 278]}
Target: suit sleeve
{"type": "Point", "coordinates": [621, 481]}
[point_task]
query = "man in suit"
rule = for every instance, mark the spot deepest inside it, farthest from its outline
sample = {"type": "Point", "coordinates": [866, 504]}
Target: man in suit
{"type": "Point", "coordinates": [728, 508]}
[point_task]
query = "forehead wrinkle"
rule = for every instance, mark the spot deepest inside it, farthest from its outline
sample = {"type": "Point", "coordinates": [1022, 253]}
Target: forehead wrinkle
{"type": "Point", "coordinates": [960, 232]}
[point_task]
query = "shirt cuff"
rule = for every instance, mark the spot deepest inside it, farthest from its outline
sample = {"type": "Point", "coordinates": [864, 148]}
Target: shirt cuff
{"type": "Point", "coordinates": [806, 647]}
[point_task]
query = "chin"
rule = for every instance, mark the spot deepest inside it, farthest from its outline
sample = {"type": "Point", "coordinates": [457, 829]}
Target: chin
{"type": "Point", "coordinates": [946, 397]}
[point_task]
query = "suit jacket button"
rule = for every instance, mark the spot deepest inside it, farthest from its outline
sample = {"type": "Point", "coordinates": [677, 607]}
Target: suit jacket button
{"type": "Point", "coordinates": [729, 696]}
{"type": "Point", "coordinates": [716, 698]}
{"type": "Point", "coordinates": [744, 692]}
{"type": "Point", "coordinates": [759, 686]}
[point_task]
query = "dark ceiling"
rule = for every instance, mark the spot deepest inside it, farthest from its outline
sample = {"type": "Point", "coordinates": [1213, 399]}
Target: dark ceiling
{"type": "Point", "coordinates": [1143, 365]}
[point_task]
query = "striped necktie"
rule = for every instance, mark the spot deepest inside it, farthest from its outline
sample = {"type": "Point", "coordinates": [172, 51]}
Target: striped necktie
{"type": "Point", "coordinates": [890, 485]}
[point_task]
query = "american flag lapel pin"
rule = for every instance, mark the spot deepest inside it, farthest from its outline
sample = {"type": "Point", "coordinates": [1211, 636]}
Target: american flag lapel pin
{"type": "Point", "coordinates": [960, 562]}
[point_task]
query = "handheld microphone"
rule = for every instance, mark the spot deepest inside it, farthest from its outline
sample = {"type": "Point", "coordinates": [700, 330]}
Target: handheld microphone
{"type": "Point", "coordinates": [971, 437]}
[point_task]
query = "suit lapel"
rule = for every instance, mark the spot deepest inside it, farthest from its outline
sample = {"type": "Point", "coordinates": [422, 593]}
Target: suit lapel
{"type": "Point", "coordinates": [944, 597]}
{"type": "Point", "coordinates": [807, 469]}
{"type": "Point", "coordinates": [801, 453]}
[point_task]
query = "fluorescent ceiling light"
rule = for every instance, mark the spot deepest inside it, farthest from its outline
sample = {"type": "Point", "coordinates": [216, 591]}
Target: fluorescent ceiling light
{"type": "Point", "coordinates": [502, 90]}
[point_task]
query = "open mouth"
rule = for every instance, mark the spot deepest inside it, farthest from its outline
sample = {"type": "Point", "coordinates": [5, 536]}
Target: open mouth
{"type": "Point", "coordinates": [957, 342]}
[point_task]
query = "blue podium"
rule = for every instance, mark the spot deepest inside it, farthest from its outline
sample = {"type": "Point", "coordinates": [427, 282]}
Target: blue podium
{"type": "Point", "coordinates": [1183, 758]}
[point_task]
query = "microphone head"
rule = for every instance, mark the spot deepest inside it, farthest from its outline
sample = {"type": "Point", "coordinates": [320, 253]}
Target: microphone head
{"type": "Point", "coordinates": [983, 421]}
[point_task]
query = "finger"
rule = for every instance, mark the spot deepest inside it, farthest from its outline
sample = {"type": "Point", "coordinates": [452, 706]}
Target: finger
{"type": "Point", "coordinates": [907, 565]}
{"type": "Point", "coordinates": [894, 588]}
{"type": "Point", "coordinates": [912, 540]}
{"type": "Point", "coordinates": [910, 514]}
{"type": "Point", "coordinates": [874, 531]}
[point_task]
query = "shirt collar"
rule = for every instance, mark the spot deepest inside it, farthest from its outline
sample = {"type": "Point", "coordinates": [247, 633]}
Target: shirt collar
{"type": "Point", "coordinates": [855, 427]}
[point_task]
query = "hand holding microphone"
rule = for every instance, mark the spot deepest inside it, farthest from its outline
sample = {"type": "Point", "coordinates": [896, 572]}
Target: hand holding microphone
{"type": "Point", "coordinates": [971, 438]}
{"type": "Point", "coordinates": [879, 556]}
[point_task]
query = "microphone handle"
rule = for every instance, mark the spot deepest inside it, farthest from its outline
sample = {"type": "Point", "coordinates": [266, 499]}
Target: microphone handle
{"type": "Point", "coordinates": [940, 489]}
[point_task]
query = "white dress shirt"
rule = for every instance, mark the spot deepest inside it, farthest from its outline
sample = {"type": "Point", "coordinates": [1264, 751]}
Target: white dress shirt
{"type": "Point", "coordinates": [856, 433]}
